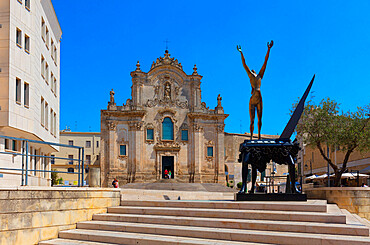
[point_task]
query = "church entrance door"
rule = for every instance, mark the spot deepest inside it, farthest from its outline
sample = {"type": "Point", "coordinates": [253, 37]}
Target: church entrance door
{"type": "Point", "coordinates": [167, 164]}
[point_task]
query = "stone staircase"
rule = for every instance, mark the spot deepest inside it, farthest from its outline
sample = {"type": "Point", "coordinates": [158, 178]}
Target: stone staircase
{"type": "Point", "coordinates": [219, 222]}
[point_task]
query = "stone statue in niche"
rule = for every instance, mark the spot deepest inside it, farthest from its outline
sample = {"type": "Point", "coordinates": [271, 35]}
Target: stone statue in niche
{"type": "Point", "coordinates": [167, 91]}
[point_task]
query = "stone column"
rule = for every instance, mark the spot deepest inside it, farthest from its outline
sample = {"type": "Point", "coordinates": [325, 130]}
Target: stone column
{"type": "Point", "coordinates": [135, 150]}
{"type": "Point", "coordinates": [112, 154]}
{"type": "Point", "coordinates": [220, 155]}
{"type": "Point", "coordinates": [198, 150]}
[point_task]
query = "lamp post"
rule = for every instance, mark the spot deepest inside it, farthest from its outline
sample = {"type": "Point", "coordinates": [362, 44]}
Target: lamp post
{"type": "Point", "coordinates": [328, 166]}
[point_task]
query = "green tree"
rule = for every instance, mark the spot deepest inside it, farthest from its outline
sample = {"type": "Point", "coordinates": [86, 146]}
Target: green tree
{"type": "Point", "coordinates": [54, 177]}
{"type": "Point", "coordinates": [323, 126]}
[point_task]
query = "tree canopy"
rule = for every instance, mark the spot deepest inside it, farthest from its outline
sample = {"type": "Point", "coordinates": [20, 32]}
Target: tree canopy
{"type": "Point", "coordinates": [324, 125]}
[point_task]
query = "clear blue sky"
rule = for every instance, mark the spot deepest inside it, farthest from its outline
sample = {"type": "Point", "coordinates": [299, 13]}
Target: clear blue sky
{"type": "Point", "coordinates": [102, 40]}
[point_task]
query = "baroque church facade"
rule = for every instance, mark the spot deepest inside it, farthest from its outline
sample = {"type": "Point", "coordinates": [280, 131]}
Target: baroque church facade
{"type": "Point", "coordinates": [164, 126]}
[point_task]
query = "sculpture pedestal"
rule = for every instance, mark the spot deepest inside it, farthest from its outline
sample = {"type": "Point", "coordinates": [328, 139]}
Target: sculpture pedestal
{"type": "Point", "coordinates": [270, 197]}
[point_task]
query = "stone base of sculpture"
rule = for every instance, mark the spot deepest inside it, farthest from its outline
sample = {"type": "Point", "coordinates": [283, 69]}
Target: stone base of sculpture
{"type": "Point", "coordinates": [270, 197]}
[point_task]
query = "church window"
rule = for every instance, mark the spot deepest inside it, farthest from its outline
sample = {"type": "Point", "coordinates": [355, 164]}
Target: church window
{"type": "Point", "coordinates": [184, 135]}
{"type": "Point", "coordinates": [150, 134]}
{"type": "Point", "coordinates": [167, 129]}
{"type": "Point", "coordinates": [209, 151]}
{"type": "Point", "coordinates": [122, 150]}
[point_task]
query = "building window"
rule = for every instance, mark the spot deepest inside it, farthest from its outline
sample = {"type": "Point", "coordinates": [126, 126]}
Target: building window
{"type": "Point", "coordinates": [97, 144]}
{"type": "Point", "coordinates": [97, 157]}
{"type": "Point", "coordinates": [27, 43]}
{"type": "Point", "coordinates": [52, 159]}
{"type": "Point", "coordinates": [27, 4]}
{"type": "Point", "coordinates": [71, 170]}
{"type": "Point", "coordinates": [46, 72]}
{"type": "Point", "coordinates": [42, 111]}
{"type": "Point", "coordinates": [26, 95]}
{"type": "Point", "coordinates": [43, 28]}
{"type": "Point", "coordinates": [18, 90]}
{"type": "Point", "coordinates": [19, 37]}
{"type": "Point", "coordinates": [42, 66]}
{"type": "Point", "coordinates": [88, 159]}
{"type": "Point", "coordinates": [6, 144]}
{"type": "Point", "coordinates": [51, 121]}
{"type": "Point", "coordinates": [122, 150]}
{"type": "Point", "coordinates": [14, 145]}
{"type": "Point", "coordinates": [46, 115]}
{"type": "Point", "coordinates": [150, 134]}
{"type": "Point", "coordinates": [70, 161]}
{"type": "Point", "coordinates": [47, 37]}
{"type": "Point", "coordinates": [55, 86]}
{"type": "Point", "coordinates": [209, 151]}
{"type": "Point", "coordinates": [184, 135]}
{"type": "Point", "coordinates": [167, 129]}
{"type": "Point", "coordinates": [88, 144]}
{"type": "Point", "coordinates": [55, 55]}
{"type": "Point", "coordinates": [52, 48]}
{"type": "Point", "coordinates": [55, 124]}
{"type": "Point", "coordinates": [52, 81]}
{"type": "Point", "coordinates": [70, 142]}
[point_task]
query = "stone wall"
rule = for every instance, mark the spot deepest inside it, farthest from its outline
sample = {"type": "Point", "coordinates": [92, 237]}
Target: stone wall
{"type": "Point", "coordinates": [354, 199]}
{"type": "Point", "coordinates": [32, 214]}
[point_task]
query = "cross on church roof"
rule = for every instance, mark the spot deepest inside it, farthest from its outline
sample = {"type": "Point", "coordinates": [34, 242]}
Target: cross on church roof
{"type": "Point", "coordinates": [166, 41]}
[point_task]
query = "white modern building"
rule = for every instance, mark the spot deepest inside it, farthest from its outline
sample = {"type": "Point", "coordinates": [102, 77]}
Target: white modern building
{"type": "Point", "coordinates": [29, 86]}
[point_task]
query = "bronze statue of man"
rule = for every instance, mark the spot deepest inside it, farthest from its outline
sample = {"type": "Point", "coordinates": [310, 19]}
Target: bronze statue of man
{"type": "Point", "coordinates": [255, 101]}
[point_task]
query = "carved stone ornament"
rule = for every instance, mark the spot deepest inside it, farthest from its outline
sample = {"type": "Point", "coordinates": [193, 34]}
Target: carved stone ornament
{"type": "Point", "coordinates": [136, 126]}
{"type": "Point", "coordinates": [111, 125]}
{"type": "Point", "coordinates": [197, 127]}
{"type": "Point", "coordinates": [167, 145]}
{"type": "Point", "coordinates": [166, 60]}
{"type": "Point", "coordinates": [220, 128]}
{"type": "Point", "coordinates": [184, 126]}
{"type": "Point", "coordinates": [166, 95]}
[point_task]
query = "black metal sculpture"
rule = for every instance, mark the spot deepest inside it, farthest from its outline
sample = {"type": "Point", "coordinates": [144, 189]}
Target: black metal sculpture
{"type": "Point", "coordinates": [282, 150]}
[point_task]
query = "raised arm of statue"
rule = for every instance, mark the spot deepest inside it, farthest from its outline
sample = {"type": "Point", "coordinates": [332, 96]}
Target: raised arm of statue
{"type": "Point", "coordinates": [262, 71]}
{"type": "Point", "coordinates": [250, 75]}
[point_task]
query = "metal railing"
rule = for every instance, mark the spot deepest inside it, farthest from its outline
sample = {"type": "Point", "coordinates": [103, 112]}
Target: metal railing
{"type": "Point", "coordinates": [25, 153]}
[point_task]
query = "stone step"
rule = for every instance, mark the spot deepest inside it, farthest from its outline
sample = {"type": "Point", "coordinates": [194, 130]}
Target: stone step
{"type": "Point", "coordinates": [235, 235]}
{"type": "Point", "coordinates": [139, 238]}
{"type": "Point", "coordinates": [60, 241]}
{"type": "Point", "coordinates": [268, 225]}
{"type": "Point", "coordinates": [233, 214]}
{"type": "Point", "coordinates": [309, 206]}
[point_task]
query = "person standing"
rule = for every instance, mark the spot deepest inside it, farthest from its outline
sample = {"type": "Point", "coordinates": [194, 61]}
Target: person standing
{"type": "Point", "coordinates": [169, 174]}
{"type": "Point", "coordinates": [166, 174]}
{"type": "Point", "coordinates": [115, 183]}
